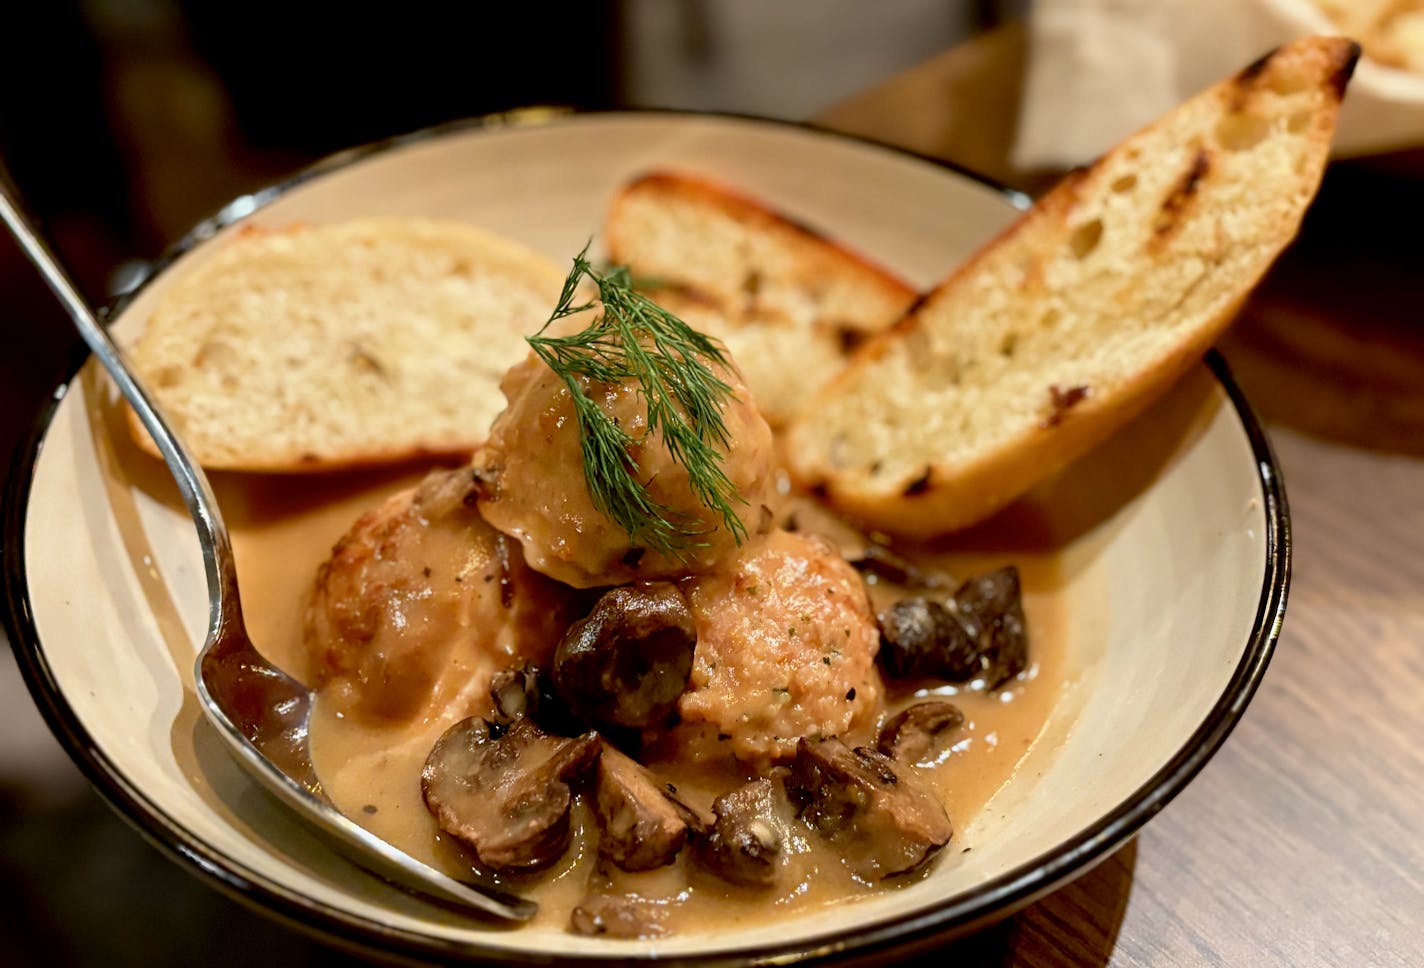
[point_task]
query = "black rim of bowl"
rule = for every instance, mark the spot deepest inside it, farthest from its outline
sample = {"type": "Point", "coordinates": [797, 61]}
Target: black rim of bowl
{"type": "Point", "coordinates": [959, 915]}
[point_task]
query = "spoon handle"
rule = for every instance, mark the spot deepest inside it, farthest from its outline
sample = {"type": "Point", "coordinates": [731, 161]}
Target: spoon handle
{"type": "Point", "coordinates": [227, 644]}
{"type": "Point", "coordinates": [192, 483]}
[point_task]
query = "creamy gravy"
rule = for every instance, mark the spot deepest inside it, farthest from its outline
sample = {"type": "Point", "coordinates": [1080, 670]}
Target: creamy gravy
{"type": "Point", "coordinates": [284, 528]}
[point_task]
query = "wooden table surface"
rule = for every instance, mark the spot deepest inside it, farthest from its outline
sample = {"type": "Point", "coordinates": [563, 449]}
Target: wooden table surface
{"type": "Point", "coordinates": [1302, 842]}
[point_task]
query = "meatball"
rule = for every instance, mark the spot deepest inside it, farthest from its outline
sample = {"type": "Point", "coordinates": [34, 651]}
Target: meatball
{"type": "Point", "coordinates": [421, 602]}
{"type": "Point", "coordinates": [786, 645]}
{"type": "Point", "coordinates": [534, 488]}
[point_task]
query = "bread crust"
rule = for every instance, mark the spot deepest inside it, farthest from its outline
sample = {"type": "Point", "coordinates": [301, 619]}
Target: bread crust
{"type": "Point", "coordinates": [296, 462]}
{"type": "Point", "coordinates": [1030, 267]}
{"type": "Point", "coordinates": [763, 282]}
{"type": "Point", "coordinates": [745, 208]}
{"type": "Point", "coordinates": [373, 341]}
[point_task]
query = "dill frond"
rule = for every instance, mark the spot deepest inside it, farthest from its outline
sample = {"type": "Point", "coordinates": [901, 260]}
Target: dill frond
{"type": "Point", "coordinates": [633, 338]}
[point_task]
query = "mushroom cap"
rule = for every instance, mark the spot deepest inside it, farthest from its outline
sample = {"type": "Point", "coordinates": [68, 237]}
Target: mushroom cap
{"type": "Point", "coordinates": [640, 827]}
{"type": "Point", "coordinates": [882, 818]}
{"type": "Point", "coordinates": [628, 661]}
{"type": "Point", "coordinates": [504, 793]}
{"type": "Point", "coordinates": [918, 733]}
{"type": "Point", "coordinates": [748, 841]}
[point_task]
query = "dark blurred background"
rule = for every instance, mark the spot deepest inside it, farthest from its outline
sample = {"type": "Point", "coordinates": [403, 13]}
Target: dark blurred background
{"type": "Point", "coordinates": [123, 122]}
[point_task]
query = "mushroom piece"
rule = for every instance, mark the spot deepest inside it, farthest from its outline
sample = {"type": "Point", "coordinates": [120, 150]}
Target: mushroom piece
{"type": "Point", "coordinates": [629, 660]}
{"type": "Point", "coordinates": [619, 904]}
{"type": "Point", "coordinates": [614, 916]}
{"type": "Point", "coordinates": [515, 693]}
{"type": "Point", "coordinates": [504, 792]}
{"type": "Point", "coordinates": [991, 608]}
{"type": "Point", "coordinates": [747, 844]}
{"type": "Point", "coordinates": [528, 690]}
{"type": "Point", "coordinates": [921, 638]}
{"type": "Point", "coordinates": [918, 733]}
{"type": "Point", "coordinates": [882, 818]}
{"type": "Point", "coordinates": [640, 826]}
{"type": "Point", "coordinates": [984, 634]}
{"type": "Point", "coordinates": [881, 564]}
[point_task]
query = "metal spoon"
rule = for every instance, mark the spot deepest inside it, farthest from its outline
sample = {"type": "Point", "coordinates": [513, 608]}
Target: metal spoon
{"type": "Point", "coordinates": [260, 712]}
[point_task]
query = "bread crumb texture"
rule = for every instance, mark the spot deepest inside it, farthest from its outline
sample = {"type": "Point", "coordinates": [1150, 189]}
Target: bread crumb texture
{"type": "Point", "coordinates": [367, 341]}
{"type": "Point", "coordinates": [788, 302]}
{"type": "Point", "coordinates": [1073, 320]}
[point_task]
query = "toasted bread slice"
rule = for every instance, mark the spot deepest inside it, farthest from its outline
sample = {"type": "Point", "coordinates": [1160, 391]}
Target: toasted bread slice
{"type": "Point", "coordinates": [788, 302]}
{"type": "Point", "coordinates": [362, 342]}
{"type": "Point", "coordinates": [1081, 313]}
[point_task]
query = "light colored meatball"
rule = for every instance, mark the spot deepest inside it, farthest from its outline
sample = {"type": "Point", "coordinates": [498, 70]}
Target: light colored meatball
{"type": "Point", "coordinates": [420, 603]}
{"type": "Point", "coordinates": [786, 646]}
{"type": "Point", "coordinates": [534, 488]}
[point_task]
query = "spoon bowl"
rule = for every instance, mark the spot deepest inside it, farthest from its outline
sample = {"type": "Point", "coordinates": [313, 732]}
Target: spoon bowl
{"type": "Point", "coordinates": [259, 711]}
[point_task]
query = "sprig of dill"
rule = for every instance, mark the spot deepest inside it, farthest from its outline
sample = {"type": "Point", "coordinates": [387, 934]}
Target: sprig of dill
{"type": "Point", "coordinates": [633, 338]}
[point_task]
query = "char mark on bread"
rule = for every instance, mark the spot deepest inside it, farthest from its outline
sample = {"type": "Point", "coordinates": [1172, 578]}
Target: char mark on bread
{"type": "Point", "coordinates": [1179, 199]}
{"type": "Point", "coordinates": [768, 285]}
{"type": "Point", "coordinates": [1248, 74]}
{"type": "Point", "coordinates": [742, 205]}
{"type": "Point", "coordinates": [910, 320]}
{"type": "Point", "coordinates": [1346, 69]}
{"type": "Point", "coordinates": [1117, 279]}
{"type": "Point", "coordinates": [683, 290]}
{"type": "Point", "coordinates": [1343, 55]}
{"type": "Point", "coordinates": [1063, 399]}
{"type": "Point", "coordinates": [851, 338]}
{"type": "Point", "coordinates": [919, 484]}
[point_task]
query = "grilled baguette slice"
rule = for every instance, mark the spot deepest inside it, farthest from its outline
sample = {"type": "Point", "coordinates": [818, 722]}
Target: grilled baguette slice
{"type": "Point", "coordinates": [788, 302]}
{"type": "Point", "coordinates": [1080, 314]}
{"type": "Point", "coordinates": [362, 342]}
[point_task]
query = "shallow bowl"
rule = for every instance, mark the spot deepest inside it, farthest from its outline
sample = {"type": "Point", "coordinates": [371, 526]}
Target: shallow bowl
{"type": "Point", "coordinates": [1172, 540]}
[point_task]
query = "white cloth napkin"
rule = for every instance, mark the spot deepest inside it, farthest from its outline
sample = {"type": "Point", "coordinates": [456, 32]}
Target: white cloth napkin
{"type": "Point", "coordinates": [1100, 69]}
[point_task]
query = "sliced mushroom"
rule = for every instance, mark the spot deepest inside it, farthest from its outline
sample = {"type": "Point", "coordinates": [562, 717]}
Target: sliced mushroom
{"type": "Point", "coordinates": [991, 608]}
{"type": "Point", "coordinates": [640, 827]}
{"type": "Point", "coordinates": [504, 792]}
{"type": "Point", "coordinates": [919, 733]}
{"type": "Point", "coordinates": [879, 562]}
{"type": "Point", "coordinates": [747, 844]}
{"type": "Point", "coordinates": [528, 690]}
{"type": "Point", "coordinates": [614, 916]}
{"type": "Point", "coordinates": [629, 660]}
{"type": "Point", "coordinates": [699, 820]}
{"type": "Point", "coordinates": [921, 638]}
{"type": "Point", "coordinates": [618, 904]}
{"type": "Point", "coordinates": [983, 635]}
{"type": "Point", "coordinates": [515, 693]}
{"type": "Point", "coordinates": [882, 818]}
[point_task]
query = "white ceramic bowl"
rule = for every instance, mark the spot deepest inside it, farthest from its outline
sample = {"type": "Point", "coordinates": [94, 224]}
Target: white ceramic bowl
{"type": "Point", "coordinates": [1175, 574]}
